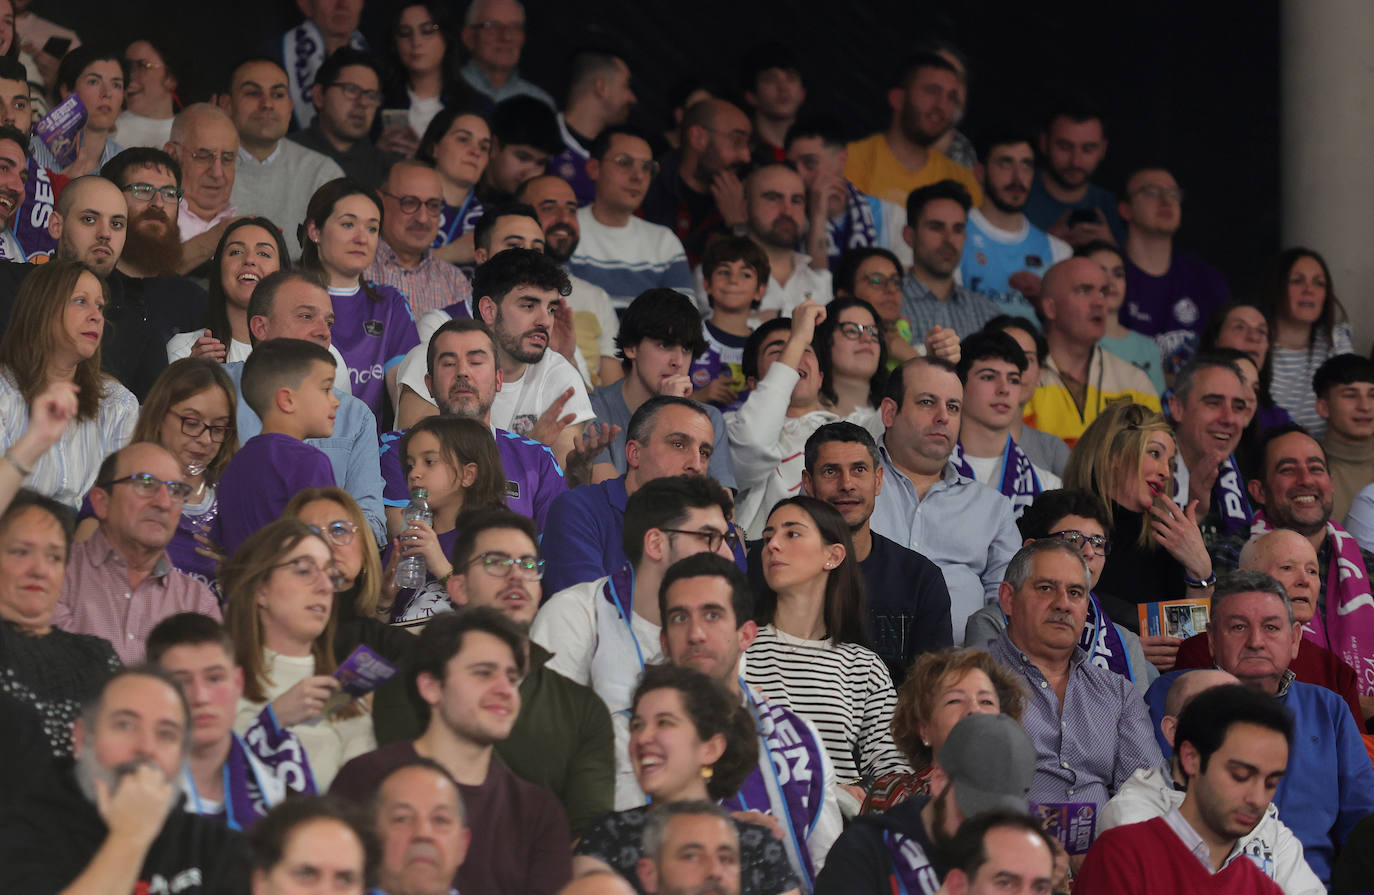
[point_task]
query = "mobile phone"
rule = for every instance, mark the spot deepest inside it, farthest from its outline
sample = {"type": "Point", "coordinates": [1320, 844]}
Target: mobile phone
{"type": "Point", "coordinates": [1083, 216]}
{"type": "Point", "coordinates": [395, 118]}
{"type": "Point", "coordinates": [57, 47]}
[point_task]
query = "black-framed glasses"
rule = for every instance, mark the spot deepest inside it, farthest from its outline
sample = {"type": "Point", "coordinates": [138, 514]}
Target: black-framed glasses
{"type": "Point", "coordinates": [148, 485]}
{"type": "Point", "coordinates": [627, 163]}
{"type": "Point", "coordinates": [207, 157]}
{"type": "Point", "coordinates": [411, 204]}
{"type": "Point", "coordinates": [496, 29]}
{"type": "Point", "coordinates": [878, 281]}
{"type": "Point", "coordinates": [713, 538]}
{"type": "Point", "coordinates": [356, 92]}
{"type": "Point", "coordinates": [500, 565]}
{"type": "Point", "coordinates": [340, 532]}
{"type": "Point", "coordinates": [1102, 545]}
{"type": "Point", "coordinates": [143, 192]}
{"type": "Point", "coordinates": [404, 32]}
{"type": "Point", "coordinates": [193, 426]}
{"type": "Point", "coordinates": [307, 570]}
{"type": "Point", "coordinates": [856, 331]}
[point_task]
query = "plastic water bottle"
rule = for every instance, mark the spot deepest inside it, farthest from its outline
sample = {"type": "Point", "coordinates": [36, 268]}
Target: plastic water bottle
{"type": "Point", "coordinates": [410, 571]}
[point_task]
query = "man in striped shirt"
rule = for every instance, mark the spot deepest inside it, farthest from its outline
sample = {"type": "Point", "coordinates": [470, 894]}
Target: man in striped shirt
{"type": "Point", "coordinates": [413, 200]}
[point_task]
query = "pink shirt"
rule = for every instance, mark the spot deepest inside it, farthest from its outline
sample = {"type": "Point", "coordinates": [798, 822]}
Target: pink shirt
{"type": "Point", "coordinates": [192, 225]}
{"type": "Point", "coordinates": [429, 286]}
{"type": "Point", "coordinates": [96, 598]}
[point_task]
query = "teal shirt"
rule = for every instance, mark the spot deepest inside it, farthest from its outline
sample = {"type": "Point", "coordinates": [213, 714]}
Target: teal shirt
{"type": "Point", "coordinates": [1141, 351]}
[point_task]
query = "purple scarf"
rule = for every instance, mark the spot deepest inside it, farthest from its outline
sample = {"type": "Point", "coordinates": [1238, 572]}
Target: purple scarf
{"type": "Point", "coordinates": [1228, 496]}
{"type": "Point", "coordinates": [1019, 481]}
{"type": "Point", "coordinates": [1102, 641]}
{"type": "Point", "coordinates": [262, 766]}
{"type": "Point", "coordinates": [854, 229]}
{"type": "Point", "coordinates": [910, 866]}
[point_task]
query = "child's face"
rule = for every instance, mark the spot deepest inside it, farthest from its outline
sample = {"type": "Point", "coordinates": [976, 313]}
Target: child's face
{"type": "Point", "coordinates": [426, 467]}
{"type": "Point", "coordinates": [734, 286]}
{"type": "Point", "coordinates": [316, 402]}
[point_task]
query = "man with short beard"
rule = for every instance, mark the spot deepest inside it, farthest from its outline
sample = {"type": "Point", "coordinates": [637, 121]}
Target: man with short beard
{"type": "Point", "coordinates": [924, 102]}
{"type": "Point", "coordinates": [110, 825]}
{"type": "Point", "coordinates": [14, 172]}
{"type": "Point", "coordinates": [410, 194]}
{"type": "Point", "coordinates": [1063, 199]}
{"type": "Point", "coordinates": [775, 196]}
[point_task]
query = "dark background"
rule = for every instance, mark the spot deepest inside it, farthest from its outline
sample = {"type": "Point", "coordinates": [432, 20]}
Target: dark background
{"type": "Point", "coordinates": [1190, 85]}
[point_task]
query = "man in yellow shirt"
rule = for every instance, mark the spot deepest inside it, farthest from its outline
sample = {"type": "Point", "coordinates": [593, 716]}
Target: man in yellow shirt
{"type": "Point", "coordinates": [890, 165]}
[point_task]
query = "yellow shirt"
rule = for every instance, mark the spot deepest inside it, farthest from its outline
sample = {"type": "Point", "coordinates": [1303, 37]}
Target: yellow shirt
{"type": "Point", "coordinates": [873, 169]}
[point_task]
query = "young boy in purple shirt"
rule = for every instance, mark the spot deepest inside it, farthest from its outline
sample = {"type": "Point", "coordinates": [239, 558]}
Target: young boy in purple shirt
{"type": "Point", "coordinates": [289, 383]}
{"type": "Point", "coordinates": [735, 275]}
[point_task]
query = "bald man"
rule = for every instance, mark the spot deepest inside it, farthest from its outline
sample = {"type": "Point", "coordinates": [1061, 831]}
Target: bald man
{"type": "Point", "coordinates": [206, 145]}
{"type": "Point", "coordinates": [1292, 560]}
{"type": "Point", "coordinates": [1078, 378]}
{"type": "Point", "coordinates": [603, 882]}
{"type": "Point", "coordinates": [1156, 792]}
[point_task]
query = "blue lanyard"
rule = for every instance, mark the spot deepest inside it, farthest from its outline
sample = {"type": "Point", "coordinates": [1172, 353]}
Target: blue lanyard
{"type": "Point", "coordinates": [228, 798]}
{"type": "Point", "coordinates": [449, 231]}
{"type": "Point", "coordinates": [626, 617]}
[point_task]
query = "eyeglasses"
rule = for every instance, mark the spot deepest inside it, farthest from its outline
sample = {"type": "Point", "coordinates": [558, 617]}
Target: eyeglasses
{"type": "Point", "coordinates": [355, 93]}
{"type": "Point", "coordinates": [712, 538]}
{"type": "Point", "coordinates": [878, 281]}
{"type": "Point", "coordinates": [308, 571]}
{"type": "Point", "coordinates": [143, 192]}
{"type": "Point", "coordinates": [411, 204]}
{"type": "Point", "coordinates": [1102, 545]}
{"type": "Point", "coordinates": [500, 565]}
{"type": "Point", "coordinates": [500, 29]}
{"type": "Point", "coordinates": [1152, 191]}
{"type": "Point", "coordinates": [854, 332]}
{"type": "Point", "coordinates": [207, 157]}
{"type": "Point", "coordinates": [142, 64]}
{"type": "Point", "coordinates": [404, 32]}
{"type": "Point", "coordinates": [193, 426]}
{"type": "Point", "coordinates": [340, 532]}
{"type": "Point", "coordinates": [628, 163]}
{"type": "Point", "coordinates": [146, 485]}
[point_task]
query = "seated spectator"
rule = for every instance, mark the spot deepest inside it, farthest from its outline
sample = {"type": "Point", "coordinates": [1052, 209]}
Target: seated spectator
{"type": "Point", "coordinates": [1210, 407]}
{"type": "Point", "coordinates": [151, 182]}
{"type": "Point", "coordinates": [1079, 379]}
{"type": "Point", "coordinates": [811, 654]}
{"type": "Point", "coordinates": [987, 764]}
{"type": "Point", "coordinates": [708, 611]}
{"type": "Point", "coordinates": [1091, 730]}
{"type": "Point", "coordinates": [599, 97]}
{"type": "Point", "coordinates": [457, 143]}
{"type": "Point", "coordinates": [926, 505]}
{"type": "Point", "coordinates": [1127, 344]}
{"type": "Point", "coordinates": [674, 835]}
{"type": "Point", "coordinates": [1005, 255]}
{"type": "Point", "coordinates": [1063, 198]}
{"type": "Point", "coordinates": [1199, 844]}
{"type": "Point", "coordinates": [775, 201]}
{"type": "Point", "coordinates": [660, 338]}
{"type": "Point", "coordinates": [715, 752]}
{"type": "Point", "coordinates": [924, 102]}
{"type": "Point", "coordinates": [953, 142]}
{"type": "Point", "coordinates": [289, 385]}
{"type": "Point", "coordinates": [49, 415]}
{"type": "Point", "coordinates": [684, 94]}
{"type": "Point", "coordinates": [88, 833]}
{"type": "Point", "coordinates": [96, 75]}
{"type": "Point", "coordinates": [991, 365]}
{"type": "Point", "coordinates": [624, 254]}
{"type": "Point", "coordinates": [422, 72]}
{"type": "Point", "coordinates": [1156, 792]}
{"type": "Point", "coordinates": [14, 176]}
{"type": "Point", "coordinates": [734, 276]}
{"type": "Point", "coordinates": [372, 324]}
{"type": "Point", "coordinates": [524, 136]}
{"type": "Point", "coordinates": [228, 777]}
{"type": "Point", "coordinates": [411, 192]}
{"type": "Point", "coordinates": [936, 216]}
{"type": "Point", "coordinates": [875, 276]}
{"type": "Point", "coordinates": [770, 77]}
{"type": "Point", "coordinates": [842, 219]}
{"type": "Point", "coordinates": [149, 93]}
{"type": "Point", "coordinates": [423, 828]}
{"type": "Point", "coordinates": [312, 838]}
{"type": "Point", "coordinates": [494, 34]}
{"type": "Point", "coordinates": [906, 600]}
{"type": "Point", "coordinates": [45, 668]}
{"type": "Point", "coordinates": [282, 612]}
{"type": "Point", "coordinates": [304, 50]}
{"type": "Point", "coordinates": [998, 849]}
{"type": "Point", "coordinates": [1344, 386]}
{"type": "Point", "coordinates": [1169, 296]}
{"type": "Point", "coordinates": [206, 145]}
{"type": "Point", "coordinates": [274, 177]}
{"type": "Point", "coordinates": [467, 671]}
{"type": "Point", "coordinates": [1046, 450]}
{"type": "Point", "coordinates": [345, 96]}
{"type": "Point", "coordinates": [54, 336]}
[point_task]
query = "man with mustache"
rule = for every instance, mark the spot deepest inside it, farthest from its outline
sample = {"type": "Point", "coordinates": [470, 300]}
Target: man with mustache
{"type": "Point", "coordinates": [690, 848]}
{"type": "Point", "coordinates": [1063, 199]}
{"type": "Point", "coordinates": [775, 197]}
{"type": "Point", "coordinates": [346, 95]}
{"type": "Point", "coordinates": [622, 253]}
{"type": "Point", "coordinates": [1005, 255]}
{"type": "Point", "coordinates": [422, 826]}
{"type": "Point", "coordinates": [410, 194]}
{"type": "Point", "coordinates": [151, 182]}
{"type": "Point", "coordinates": [936, 220]}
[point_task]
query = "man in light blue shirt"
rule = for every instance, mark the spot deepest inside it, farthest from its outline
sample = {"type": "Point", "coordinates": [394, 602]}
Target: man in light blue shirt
{"type": "Point", "coordinates": [494, 33]}
{"type": "Point", "coordinates": [965, 528]}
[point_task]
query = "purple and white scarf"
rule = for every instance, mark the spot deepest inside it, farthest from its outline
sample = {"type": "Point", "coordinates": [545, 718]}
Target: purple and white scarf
{"type": "Point", "coordinates": [1102, 641]}
{"type": "Point", "coordinates": [302, 53]}
{"type": "Point", "coordinates": [262, 766]}
{"type": "Point", "coordinates": [855, 229]}
{"type": "Point", "coordinates": [1019, 481]}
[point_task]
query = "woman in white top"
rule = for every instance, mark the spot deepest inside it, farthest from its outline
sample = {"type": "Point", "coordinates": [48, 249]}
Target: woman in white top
{"type": "Point", "coordinates": [421, 49]}
{"type": "Point", "coordinates": [54, 336]}
{"type": "Point", "coordinates": [281, 611]}
{"type": "Point", "coordinates": [811, 655]}
{"type": "Point", "coordinates": [852, 354]}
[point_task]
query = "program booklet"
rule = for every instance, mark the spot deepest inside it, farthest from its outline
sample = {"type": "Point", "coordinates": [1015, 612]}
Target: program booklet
{"type": "Point", "coordinates": [1175, 618]}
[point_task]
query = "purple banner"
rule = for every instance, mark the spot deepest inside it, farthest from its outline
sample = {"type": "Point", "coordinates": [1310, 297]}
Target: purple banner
{"type": "Point", "coordinates": [61, 127]}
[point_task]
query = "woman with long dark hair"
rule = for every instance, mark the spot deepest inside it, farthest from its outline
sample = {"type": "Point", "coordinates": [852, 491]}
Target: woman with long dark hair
{"type": "Point", "coordinates": [422, 75]}
{"type": "Point", "coordinates": [852, 354]}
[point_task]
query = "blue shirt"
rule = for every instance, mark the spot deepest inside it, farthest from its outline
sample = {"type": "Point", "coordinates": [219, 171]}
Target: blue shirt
{"type": "Point", "coordinates": [965, 312]}
{"type": "Point", "coordinates": [608, 402]}
{"type": "Point", "coordinates": [1045, 211]}
{"type": "Point", "coordinates": [993, 255]}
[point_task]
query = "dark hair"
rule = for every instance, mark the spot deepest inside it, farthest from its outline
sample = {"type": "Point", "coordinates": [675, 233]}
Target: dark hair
{"type": "Point", "coordinates": [512, 268]}
{"type": "Point", "coordinates": [823, 341]}
{"type": "Point", "coordinates": [457, 325]}
{"type": "Point", "coordinates": [847, 270]}
{"type": "Point", "coordinates": [986, 344]}
{"type": "Point", "coordinates": [268, 837]}
{"type": "Point", "coordinates": [481, 231]}
{"type": "Point", "coordinates": [472, 523]}
{"type": "Point", "coordinates": [397, 76]}
{"type": "Point", "coordinates": [642, 420]}
{"type": "Point", "coordinates": [275, 364]}
{"type": "Point", "coordinates": [1038, 520]}
{"type": "Point", "coordinates": [987, 141]}
{"type": "Point", "coordinates": [1259, 462]}
{"type": "Point", "coordinates": [844, 610]}
{"type": "Point", "coordinates": [216, 310]}
{"type": "Point", "coordinates": [840, 432]}
{"type": "Point", "coordinates": [826, 127]}
{"type": "Point", "coordinates": [90, 708]}
{"type": "Point", "coordinates": [896, 382]}
{"type": "Point", "coordinates": [663, 503]}
{"type": "Point", "coordinates": [342, 58]}
{"type": "Point", "coordinates": [463, 441]}
{"type": "Point", "coordinates": [138, 157]}
{"type": "Point", "coordinates": [968, 849]}
{"type": "Point", "coordinates": [920, 197]}
{"type": "Point", "coordinates": [761, 57]}
{"type": "Point", "coordinates": [526, 121]}
{"type": "Point", "coordinates": [1207, 719]}
{"type": "Point", "coordinates": [187, 629]}
{"type": "Point", "coordinates": [1076, 108]}
{"type": "Point", "coordinates": [734, 248]}
{"type": "Point", "coordinates": [181, 380]}
{"type": "Point", "coordinates": [1212, 333]}
{"type": "Point", "coordinates": [602, 144]}
{"type": "Point", "coordinates": [1183, 380]}
{"type": "Point", "coordinates": [713, 711]}
{"type": "Point", "coordinates": [709, 565]}
{"type": "Point", "coordinates": [165, 44]}
{"type": "Point", "coordinates": [1343, 369]}
{"type": "Point", "coordinates": [321, 206]}
{"type": "Point", "coordinates": [79, 58]}
{"type": "Point", "coordinates": [585, 65]}
{"type": "Point", "coordinates": [10, 67]}
{"type": "Point", "coordinates": [264, 297]}
{"type": "Point", "coordinates": [442, 639]}
{"type": "Point", "coordinates": [438, 126]}
{"type": "Point", "coordinates": [26, 498]}
{"type": "Point", "coordinates": [1004, 322]}
{"type": "Point", "coordinates": [1099, 245]}
{"type": "Point", "coordinates": [913, 63]}
{"type": "Point", "coordinates": [754, 344]}
{"type": "Point", "coordinates": [664, 315]}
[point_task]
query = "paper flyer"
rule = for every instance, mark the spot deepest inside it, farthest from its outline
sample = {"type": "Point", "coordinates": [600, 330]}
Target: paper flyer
{"type": "Point", "coordinates": [361, 673]}
{"type": "Point", "coordinates": [1072, 823]}
{"type": "Point", "coordinates": [61, 128]}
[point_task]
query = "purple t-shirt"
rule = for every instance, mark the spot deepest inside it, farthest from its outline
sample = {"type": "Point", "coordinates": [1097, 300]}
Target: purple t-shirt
{"type": "Point", "coordinates": [417, 605]}
{"type": "Point", "coordinates": [373, 337]}
{"type": "Point", "coordinates": [260, 481]}
{"type": "Point", "coordinates": [533, 477]}
{"type": "Point", "coordinates": [724, 354]}
{"type": "Point", "coordinates": [1173, 309]}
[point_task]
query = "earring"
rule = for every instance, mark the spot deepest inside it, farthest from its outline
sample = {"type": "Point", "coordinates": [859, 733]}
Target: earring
{"type": "Point", "coordinates": [707, 772]}
{"type": "Point", "coordinates": [827, 565]}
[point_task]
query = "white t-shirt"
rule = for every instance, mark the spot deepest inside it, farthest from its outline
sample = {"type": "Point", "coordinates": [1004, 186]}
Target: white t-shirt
{"type": "Point", "coordinates": [422, 112]}
{"type": "Point", "coordinates": [180, 345]}
{"type": "Point", "coordinates": [140, 130]}
{"type": "Point", "coordinates": [804, 283]}
{"type": "Point", "coordinates": [518, 404]}
{"type": "Point", "coordinates": [988, 471]}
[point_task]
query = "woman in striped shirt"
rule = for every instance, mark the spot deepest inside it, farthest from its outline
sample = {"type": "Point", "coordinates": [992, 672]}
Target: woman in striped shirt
{"type": "Point", "coordinates": [811, 654]}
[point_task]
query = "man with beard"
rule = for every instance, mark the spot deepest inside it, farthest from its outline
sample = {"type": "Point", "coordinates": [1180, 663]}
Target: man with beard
{"type": "Point", "coordinates": [775, 196]}
{"type": "Point", "coordinates": [924, 102]}
{"type": "Point", "coordinates": [936, 218]}
{"type": "Point", "coordinates": [151, 183]}
{"type": "Point", "coordinates": [411, 193]}
{"type": "Point", "coordinates": [111, 824]}
{"type": "Point", "coordinates": [690, 848]}
{"type": "Point", "coordinates": [346, 94]}
{"type": "Point", "coordinates": [988, 763]}
{"type": "Point", "coordinates": [624, 254]}
{"type": "Point", "coordinates": [422, 826]}
{"type": "Point", "coordinates": [1063, 199]}
{"type": "Point", "coordinates": [14, 172]}
{"type": "Point", "coordinates": [1005, 255]}
{"type": "Point", "coordinates": [206, 146]}
{"type": "Point", "coordinates": [698, 192]}
{"type": "Point", "coordinates": [599, 97]}
{"type": "Point", "coordinates": [562, 740]}
{"type": "Point", "coordinates": [29, 223]}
